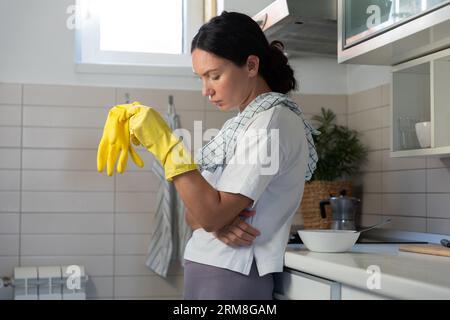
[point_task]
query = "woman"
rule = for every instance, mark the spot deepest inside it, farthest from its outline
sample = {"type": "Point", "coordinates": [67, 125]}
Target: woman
{"type": "Point", "coordinates": [240, 212]}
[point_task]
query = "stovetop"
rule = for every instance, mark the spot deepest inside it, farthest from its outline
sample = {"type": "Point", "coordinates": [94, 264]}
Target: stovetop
{"type": "Point", "coordinates": [295, 239]}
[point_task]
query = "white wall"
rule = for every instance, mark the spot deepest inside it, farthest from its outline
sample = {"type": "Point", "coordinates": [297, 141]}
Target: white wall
{"type": "Point", "coordinates": [363, 77]}
{"type": "Point", "coordinates": [37, 48]}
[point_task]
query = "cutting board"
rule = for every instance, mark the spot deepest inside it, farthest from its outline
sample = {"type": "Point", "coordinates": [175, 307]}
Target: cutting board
{"type": "Point", "coordinates": [433, 249]}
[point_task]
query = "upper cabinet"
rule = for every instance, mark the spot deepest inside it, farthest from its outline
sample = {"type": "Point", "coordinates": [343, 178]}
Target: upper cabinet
{"type": "Point", "coordinates": [389, 32]}
{"type": "Point", "coordinates": [421, 106]}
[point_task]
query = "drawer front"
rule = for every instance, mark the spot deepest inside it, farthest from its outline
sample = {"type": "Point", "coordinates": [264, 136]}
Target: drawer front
{"type": "Point", "coordinates": [295, 285]}
{"type": "Point", "coordinates": [350, 293]}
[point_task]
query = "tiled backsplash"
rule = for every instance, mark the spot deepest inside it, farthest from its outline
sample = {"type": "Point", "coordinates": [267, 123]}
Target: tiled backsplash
{"type": "Point", "coordinates": [56, 209]}
{"type": "Point", "coordinates": [414, 192]}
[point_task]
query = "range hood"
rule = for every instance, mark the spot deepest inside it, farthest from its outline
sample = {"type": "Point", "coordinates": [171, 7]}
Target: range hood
{"type": "Point", "coordinates": [306, 27]}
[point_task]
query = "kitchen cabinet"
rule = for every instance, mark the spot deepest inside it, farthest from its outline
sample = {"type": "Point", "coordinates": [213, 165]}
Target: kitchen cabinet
{"type": "Point", "coordinates": [351, 293]}
{"type": "Point", "coordinates": [389, 32]}
{"type": "Point", "coordinates": [296, 285]}
{"type": "Point", "coordinates": [420, 92]}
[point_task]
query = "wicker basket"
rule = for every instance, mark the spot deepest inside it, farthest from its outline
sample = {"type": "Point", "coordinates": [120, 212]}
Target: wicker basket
{"type": "Point", "coordinates": [313, 193]}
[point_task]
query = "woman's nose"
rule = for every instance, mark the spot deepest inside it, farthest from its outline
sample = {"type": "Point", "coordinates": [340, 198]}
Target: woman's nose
{"type": "Point", "coordinates": [206, 91]}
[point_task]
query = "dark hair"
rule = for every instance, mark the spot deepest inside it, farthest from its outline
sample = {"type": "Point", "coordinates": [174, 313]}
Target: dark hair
{"type": "Point", "coordinates": [236, 36]}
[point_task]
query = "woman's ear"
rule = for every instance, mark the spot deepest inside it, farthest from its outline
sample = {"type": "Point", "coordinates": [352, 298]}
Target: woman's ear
{"type": "Point", "coordinates": [253, 65]}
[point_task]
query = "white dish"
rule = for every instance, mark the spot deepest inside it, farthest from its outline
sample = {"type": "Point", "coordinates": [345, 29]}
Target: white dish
{"type": "Point", "coordinates": [423, 131]}
{"type": "Point", "coordinates": [320, 240]}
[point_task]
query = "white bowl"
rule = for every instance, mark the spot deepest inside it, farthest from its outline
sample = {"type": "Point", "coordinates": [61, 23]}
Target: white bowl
{"type": "Point", "coordinates": [423, 131]}
{"type": "Point", "coordinates": [321, 240]}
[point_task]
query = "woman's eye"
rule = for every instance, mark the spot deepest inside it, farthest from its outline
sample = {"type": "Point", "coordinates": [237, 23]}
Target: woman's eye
{"type": "Point", "coordinates": [215, 77]}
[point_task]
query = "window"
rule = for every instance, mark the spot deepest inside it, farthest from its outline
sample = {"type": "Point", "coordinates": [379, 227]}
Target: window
{"type": "Point", "coordinates": [137, 32]}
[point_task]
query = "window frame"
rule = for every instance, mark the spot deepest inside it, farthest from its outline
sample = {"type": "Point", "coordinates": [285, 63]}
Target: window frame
{"type": "Point", "coordinates": [90, 59]}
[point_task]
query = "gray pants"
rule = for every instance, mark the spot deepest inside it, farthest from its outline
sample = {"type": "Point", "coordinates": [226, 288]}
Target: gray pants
{"type": "Point", "coordinates": [204, 282]}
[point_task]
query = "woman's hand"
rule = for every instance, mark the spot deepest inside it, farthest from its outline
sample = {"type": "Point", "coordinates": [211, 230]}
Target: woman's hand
{"type": "Point", "coordinates": [239, 233]}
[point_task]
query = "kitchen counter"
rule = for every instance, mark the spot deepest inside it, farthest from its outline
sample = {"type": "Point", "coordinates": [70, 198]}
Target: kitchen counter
{"type": "Point", "coordinates": [403, 275]}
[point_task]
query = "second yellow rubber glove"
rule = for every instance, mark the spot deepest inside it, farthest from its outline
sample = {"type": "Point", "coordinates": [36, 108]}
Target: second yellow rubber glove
{"type": "Point", "coordinates": [148, 128]}
{"type": "Point", "coordinates": [115, 140]}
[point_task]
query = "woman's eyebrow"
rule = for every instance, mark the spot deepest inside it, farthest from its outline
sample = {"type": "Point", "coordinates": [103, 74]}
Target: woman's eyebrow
{"type": "Point", "coordinates": [208, 71]}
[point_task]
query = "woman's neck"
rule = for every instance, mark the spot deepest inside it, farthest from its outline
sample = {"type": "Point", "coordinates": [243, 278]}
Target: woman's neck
{"type": "Point", "coordinates": [260, 88]}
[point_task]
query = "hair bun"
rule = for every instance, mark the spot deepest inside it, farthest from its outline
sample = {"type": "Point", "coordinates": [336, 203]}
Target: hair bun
{"type": "Point", "coordinates": [278, 45]}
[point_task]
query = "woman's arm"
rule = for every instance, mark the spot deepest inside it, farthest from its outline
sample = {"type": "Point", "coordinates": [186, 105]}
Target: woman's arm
{"type": "Point", "coordinates": [190, 220]}
{"type": "Point", "coordinates": [210, 208]}
{"type": "Point", "coordinates": [238, 233]}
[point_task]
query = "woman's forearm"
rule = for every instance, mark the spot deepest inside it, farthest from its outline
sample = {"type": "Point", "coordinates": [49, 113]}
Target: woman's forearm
{"type": "Point", "coordinates": [211, 209]}
{"type": "Point", "coordinates": [190, 220]}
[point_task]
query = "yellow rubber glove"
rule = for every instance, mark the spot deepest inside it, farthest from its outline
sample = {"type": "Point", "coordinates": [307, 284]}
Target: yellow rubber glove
{"type": "Point", "coordinates": [148, 128]}
{"type": "Point", "coordinates": [115, 139]}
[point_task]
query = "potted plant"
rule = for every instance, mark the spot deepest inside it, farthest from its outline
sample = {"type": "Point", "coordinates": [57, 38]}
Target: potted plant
{"type": "Point", "coordinates": [340, 154]}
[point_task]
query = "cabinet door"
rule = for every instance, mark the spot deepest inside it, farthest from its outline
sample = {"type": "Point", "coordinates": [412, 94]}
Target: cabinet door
{"type": "Point", "coordinates": [366, 18]}
{"type": "Point", "coordinates": [295, 285]}
{"type": "Point", "coordinates": [350, 293]}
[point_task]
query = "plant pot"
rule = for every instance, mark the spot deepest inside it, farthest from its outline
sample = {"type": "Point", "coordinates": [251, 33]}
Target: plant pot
{"type": "Point", "coordinates": [314, 192]}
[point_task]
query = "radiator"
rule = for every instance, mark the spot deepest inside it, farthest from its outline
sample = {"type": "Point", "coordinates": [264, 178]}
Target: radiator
{"type": "Point", "coordinates": [50, 283]}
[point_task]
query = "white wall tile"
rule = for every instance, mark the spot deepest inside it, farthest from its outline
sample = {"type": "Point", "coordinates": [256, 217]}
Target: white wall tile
{"type": "Point", "coordinates": [134, 222]}
{"type": "Point", "coordinates": [368, 219]}
{"type": "Point", "coordinates": [94, 266]}
{"type": "Point", "coordinates": [78, 223]}
{"type": "Point", "coordinates": [158, 98]}
{"type": "Point", "coordinates": [144, 286]}
{"type": "Point", "coordinates": [9, 223]}
{"type": "Point", "coordinates": [64, 117]}
{"type": "Point", "coordinates": [67, 202]}
{"type": "Point", "coordinates": [61, 138]}
{"type": "Point", "coordinates": [65, 181]}
{"type": "Point", "coordinates": [439, 226]}
{"type": "Point", "coordinates": [135, 266]}
{"type": "Point", "coordinates": [10, 93]}
{"type": "Point", "coordinates": [373, 163]}
{"type": "Point", "coordinates": [371, 182]}
{"type": "Point", "coordinates": [412, 224]}
{"type": "Point", "coordinates": [100, 288]}
{"type": "Point", "coordinates": [404, 204]}
{"type": "Point", "coordinates": [9, 201]}
{"type": "Point", "coordinates": [366, 120]}
{"type": "Point", "coordinates": [312, 103]}
{"type": "Point", "coordinates": [386, 116]}
{"type": "Point", "coordinates": [386, 138]}
{"type": "Point", "coordinates": [138, 181]}
{"type": "Point", "coordinates": [67, 245]}
{"type": "Point", "coordinates": [371, 139]}
{"type": "Point", "coordinates": [59, 159]}
{"type": "Point", "coordinates": [371, 203]}
{"type": "Point", "coordinates": [386, 94]}
{"type": "Point", "coordinates": [365, 100]}
{"type": "Point", "coordinates": [10, 180]}
{"type": "Point", "coordinates": [9, 158]}
{"type": "Point", "coordinates": [10, 115]}
{"type": "Point", "coordinates": [438, 205]}
{"type": "Point", "coordinates": [62, 95]}
{"type": "Point", "coordinates": [136, 202]}
{"type": "Point", "coordinates": [391, 164]}
{"type": "Point", "coordinates": [9, 245]}
{"type": "Point", "coordinates": [10, 136]}
{"type": "Point", "coordinates": [131, 244]}
{"type": "Point", "coordinates": [404, 181]}
{"type": "Point", "coordinates": [438, 180]}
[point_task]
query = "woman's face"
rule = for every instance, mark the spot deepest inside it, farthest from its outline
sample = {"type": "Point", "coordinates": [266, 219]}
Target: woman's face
{"type": "Point", "coordinates": [227, 85]}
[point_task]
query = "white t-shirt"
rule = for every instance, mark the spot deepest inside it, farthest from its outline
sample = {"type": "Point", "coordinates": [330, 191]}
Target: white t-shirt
{"type": "Point", "coordinates": [276, 191]}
